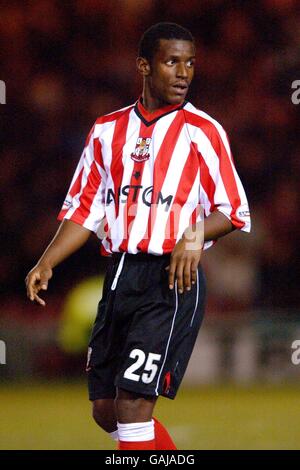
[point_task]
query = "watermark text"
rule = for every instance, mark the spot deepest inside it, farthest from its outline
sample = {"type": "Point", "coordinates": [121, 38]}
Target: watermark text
{"type": "Point", "coordinates": [295, 358]}
{"type": "Point", "coordinates": [2, 352]}
{"type": "Point", "coordinates": [296, 95]}
{"type": "Point", "coordinates": [2, 92]}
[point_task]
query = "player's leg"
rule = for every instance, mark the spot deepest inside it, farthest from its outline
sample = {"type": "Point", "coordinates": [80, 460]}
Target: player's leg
{"type": "Point", "coordinates": [138, 409]}
{"type": "Point", "coordinates": [134, 407]}
{"type": "Point", "coordinates": [102, 364]}
{"type": "Point", "coordinates": [141, 343]}
{"type": "Point", "coordinates": [143, 352]}
{"type": "Point", "coordinates": [162, 334]}
{"type": "Point", "coordinates": [104, 414]}
{"type": "Point", "coordinates": [135, 424]}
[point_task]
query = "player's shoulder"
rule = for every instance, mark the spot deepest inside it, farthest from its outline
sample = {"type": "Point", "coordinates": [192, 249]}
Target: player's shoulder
{"type": "Point", "coordinates": [105, 123]}
{"type": "Point", "coordinates": [201, 119]}
{"type": "Point", "coordinates": [114, 116]}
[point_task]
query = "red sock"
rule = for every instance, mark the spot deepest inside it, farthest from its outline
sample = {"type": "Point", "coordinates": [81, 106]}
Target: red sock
{"type": "Point", "coordinates": [163, 439]}
{"type": "Point", "coordinates": [140, 445]}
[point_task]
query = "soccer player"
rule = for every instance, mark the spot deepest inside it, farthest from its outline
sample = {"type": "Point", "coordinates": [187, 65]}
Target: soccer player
{"type": "Point", "coordinates": [149, 175]}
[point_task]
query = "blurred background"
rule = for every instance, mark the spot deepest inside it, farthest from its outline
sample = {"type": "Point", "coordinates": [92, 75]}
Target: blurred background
{"type": "Point", "coordinates": [66, 63]}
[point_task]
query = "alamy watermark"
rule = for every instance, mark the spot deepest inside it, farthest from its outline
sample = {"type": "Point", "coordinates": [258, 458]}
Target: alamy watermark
{"type": "Point", "coordinates": [2, 352]}
{"type": "Point", "coordinates": [295, 358]}
{"type": "Point", "coordinates": [296, 95]}
{"type": "Point", "coordinates": [2, 92]}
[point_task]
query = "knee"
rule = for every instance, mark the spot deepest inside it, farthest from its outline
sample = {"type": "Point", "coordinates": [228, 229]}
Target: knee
{"type": "Point", "coordinates": [104, 414]}
{"type": "Point", "coordinates": [133, 407]}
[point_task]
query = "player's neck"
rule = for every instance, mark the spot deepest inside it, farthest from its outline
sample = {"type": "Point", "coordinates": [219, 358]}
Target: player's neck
{"type": "Point", "coordinates": [151, 103]}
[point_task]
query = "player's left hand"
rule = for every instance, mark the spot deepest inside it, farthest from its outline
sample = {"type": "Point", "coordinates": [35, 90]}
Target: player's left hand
{"type": "Point", "coordinates": [184, 262]}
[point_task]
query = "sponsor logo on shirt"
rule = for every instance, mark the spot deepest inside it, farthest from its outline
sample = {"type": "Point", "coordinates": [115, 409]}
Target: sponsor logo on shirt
{"type": "Point", "coordinates": [132, 191]}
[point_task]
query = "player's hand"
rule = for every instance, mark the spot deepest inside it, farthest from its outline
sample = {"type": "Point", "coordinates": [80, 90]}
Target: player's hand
{"type": "Point", "coordinates": [183, 266]}
{"type": "Point", "coordinates": [36, 280]}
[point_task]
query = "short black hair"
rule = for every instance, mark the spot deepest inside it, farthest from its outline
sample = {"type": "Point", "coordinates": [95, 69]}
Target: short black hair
{"type": "Point", "coordinates": [149, 42]}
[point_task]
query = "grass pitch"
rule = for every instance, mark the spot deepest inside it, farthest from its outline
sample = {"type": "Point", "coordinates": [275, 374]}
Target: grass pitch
{"type": "Point", "coordinates": [57, 416]}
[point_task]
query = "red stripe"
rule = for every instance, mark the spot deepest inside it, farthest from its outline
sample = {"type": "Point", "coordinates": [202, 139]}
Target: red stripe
{"type": "Point", "coordinates": [92, 185]}
{"type": "Point", "coordinates": [75, 188]}
{"type": "Point", "coordinates": [207, 182]}
{"type": "Point", "coordinates": [225, 161]}
{"type": "Point", "coordinates": [195, 214]}
{"type": "Point", "coordinates": [161, 165]}
{"type": "Point", "coordinates": [88, 194]}
{"type": "Point", "coordinates": [107, 231]}
{"type": "Point", "coordinates": [129, 215]}
{"type": "Point", "coordinates": [73, 191]}
{"type": "Point", "coordinates": [228, 178]}
{"type": "Point", "coordinates": [136, 445]}
{"type": "Point", "coordinates": [98, 152]}
{"type": "Point", "coordinates": [118, 142]}
{"type": "Point", "coordinates": [61, 214]}
{"type": "Point", "coordinates": [87, 140]}
{"type": "Point", "coordinates": [193, 217]}
{"type": "Point", "coordinates": [187, 179]}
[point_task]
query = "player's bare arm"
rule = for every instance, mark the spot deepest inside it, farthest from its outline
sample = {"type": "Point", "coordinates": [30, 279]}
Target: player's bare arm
{"type": "Point", "coordinates": [187, 251]}
{"type": "Point", "coordinates": [68, 239]}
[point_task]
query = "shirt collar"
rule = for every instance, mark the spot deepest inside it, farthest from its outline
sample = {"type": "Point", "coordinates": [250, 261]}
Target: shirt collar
{"type": "Point", "coordinates": [150, 118]}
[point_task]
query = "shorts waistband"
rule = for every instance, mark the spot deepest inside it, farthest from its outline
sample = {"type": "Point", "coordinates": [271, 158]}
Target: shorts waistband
{"type": "Point", "coordinates": [140, 257]}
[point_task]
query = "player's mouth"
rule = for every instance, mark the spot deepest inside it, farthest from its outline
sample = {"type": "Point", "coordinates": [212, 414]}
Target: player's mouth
{"type": "Point", "coordinates": [180, 88]}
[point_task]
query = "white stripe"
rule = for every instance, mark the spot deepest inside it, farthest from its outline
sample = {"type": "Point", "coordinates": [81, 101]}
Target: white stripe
{"type": "Point", "coordinates": [77, 171]}
{"type": "Point", "coordinates": [169, 339]}
{"type": "Point", "coordinates": [87, 162]}
{"type": "Point", "coordinates": [108, 130]}
{"type": "Point", "coordinates": [224, 208]}
{"type": "Point", "coordinates": [119, 227]}
{"type": "Point", "coordinates": [119, 110]}
{"type": "Point", "coordinates": [114, 284]}
{"type": "Point", "coordinates": [139, 225]}
{"type": "Point", "coordinates": [97, 210]}
{"type": "Point", "coordinates": [170, 185]}
{"type": "Point", "coordinates": [197, 297]}
{"type": "Point", "coordinates": [188, 208]}
{"type": "Point", "coordinates": [212, 161]}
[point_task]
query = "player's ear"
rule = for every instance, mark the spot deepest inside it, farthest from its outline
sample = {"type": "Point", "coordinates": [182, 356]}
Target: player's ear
{"type": "Point", "coordinates": [143, 66]}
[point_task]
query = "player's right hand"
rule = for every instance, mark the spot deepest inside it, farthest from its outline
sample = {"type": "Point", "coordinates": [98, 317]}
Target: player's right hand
{"type": "Point", "coordinates": [36, 280]}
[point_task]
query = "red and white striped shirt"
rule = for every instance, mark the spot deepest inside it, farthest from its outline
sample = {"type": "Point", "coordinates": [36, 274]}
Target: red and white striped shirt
{"type": "Point", "coordinates": [143, 178]}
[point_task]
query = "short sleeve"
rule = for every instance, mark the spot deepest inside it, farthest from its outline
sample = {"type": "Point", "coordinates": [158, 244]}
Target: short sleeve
{"type": "Point", "coordinates": [221, 185]}
{"type": "Point", "coordinates": [84, 203]}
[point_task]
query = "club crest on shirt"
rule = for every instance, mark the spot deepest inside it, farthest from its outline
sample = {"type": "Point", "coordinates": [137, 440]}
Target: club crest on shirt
{"type": "Point", "coordinates": [141, 152]}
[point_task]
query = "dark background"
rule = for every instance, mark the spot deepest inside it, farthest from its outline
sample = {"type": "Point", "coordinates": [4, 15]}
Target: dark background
{"type": "Point", "coordinates": [66, 63]}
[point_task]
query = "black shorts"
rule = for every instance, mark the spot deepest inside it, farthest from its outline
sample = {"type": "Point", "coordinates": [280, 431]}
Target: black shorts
{"type": "Point", "coordinates": [144, 333]}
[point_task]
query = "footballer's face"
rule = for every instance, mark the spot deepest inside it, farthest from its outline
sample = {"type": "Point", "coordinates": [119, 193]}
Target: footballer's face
{"type": "Point", "coordinates": [171, 71]}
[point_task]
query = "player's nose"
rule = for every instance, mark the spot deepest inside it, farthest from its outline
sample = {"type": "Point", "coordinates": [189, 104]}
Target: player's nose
{"type": "Point", "coordinates": [181, 70]}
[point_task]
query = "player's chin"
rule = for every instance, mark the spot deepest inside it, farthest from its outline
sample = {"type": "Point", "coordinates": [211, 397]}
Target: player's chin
{"type": "Point", "coordinates": [176, 98]}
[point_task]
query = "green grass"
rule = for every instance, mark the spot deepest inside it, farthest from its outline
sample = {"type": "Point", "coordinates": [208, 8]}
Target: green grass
{"type": "Point", "coordinates": [57, 416]}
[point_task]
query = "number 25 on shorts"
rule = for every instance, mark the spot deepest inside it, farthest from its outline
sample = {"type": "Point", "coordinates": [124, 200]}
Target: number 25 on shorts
{"type": "Point", "coordinates": [150, 368]}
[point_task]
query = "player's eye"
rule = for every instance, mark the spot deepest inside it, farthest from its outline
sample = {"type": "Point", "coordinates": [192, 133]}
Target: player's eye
{"type": "Point", "coordinates": [190, 63]}
{"type": "Point", "coordinates": [170, 62]}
